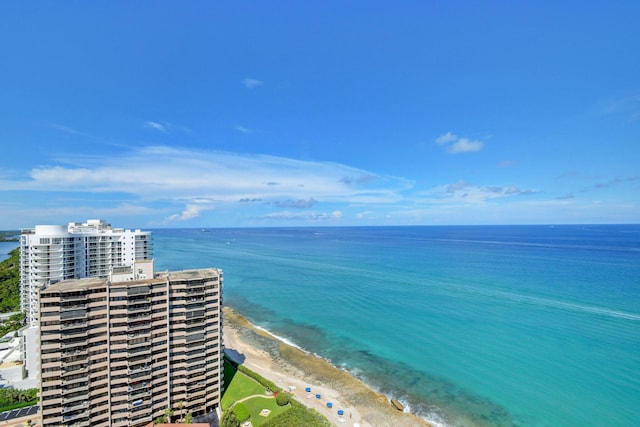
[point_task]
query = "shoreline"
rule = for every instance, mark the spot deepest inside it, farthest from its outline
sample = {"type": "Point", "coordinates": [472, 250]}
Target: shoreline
{"type": "Point", "coordinates": [291, 367]}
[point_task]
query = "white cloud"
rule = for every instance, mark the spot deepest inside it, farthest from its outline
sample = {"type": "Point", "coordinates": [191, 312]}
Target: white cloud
{"type": "Point", "coordinates": [445, 138]}
{"type": "Point", "coordinates": [167, 127]}
{"type": "Point", "coordinates": [304, 216]}
{"type": "Point", "coordinates": [365, 214]}
{"type": "Point", "coordinates": [66, 129]}
{"type": "Point", "coordinates": [168, 174]}
{"type": "Point", "coordinates": [242, 129]}
{"type": "Point", "coordinates": [464, 145]}
{"type": "Point", "coordinates": [251, 83]}
{"type": "Point", "coordinates": [156, 126]}
{"type": "Point", "coordinates": [190, 211]}
{"type": "Point", "coordinates": [457, 145]}
{"type": "Point", "coordinates": [466, 193]}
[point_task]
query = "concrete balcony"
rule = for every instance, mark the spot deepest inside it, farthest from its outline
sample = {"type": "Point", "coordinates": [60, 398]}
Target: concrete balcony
{"type": "Point", "coordinates": [70, 401]}
{"type": "Point", "coordinates": [69, 345]}
{"type": "Point", "coordinates": [76, 406]}
{"type": "Point", "coordinates": [72, 297]}
{"type": "Point", "coordinates": [74, 352]}
{"type": "Point", "coordinates": [139, 309]}
{"type": "Point", "coordinates": [73, 324]}
{"type": "Point", "coordinates": [75, 417]}
{"type": "Point", "coordinates": [139, 317]}
{"type": "Point", "coordinates": [74, 388]}
{"type": "Point", "coordinates": [69, 383]}
{"type": "Point", "coordinates": [139, 369]}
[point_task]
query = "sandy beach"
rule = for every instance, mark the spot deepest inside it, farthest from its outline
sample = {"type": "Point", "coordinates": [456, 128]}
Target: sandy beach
{"type": "Point", "coordinates": [293, 369]}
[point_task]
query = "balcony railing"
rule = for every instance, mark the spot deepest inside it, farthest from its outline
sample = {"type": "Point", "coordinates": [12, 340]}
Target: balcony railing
{"type": "Point", "coordinates": [74, 352]}
{"type": "Point", "coordinates": [73, 325]}
{"type": "Point", "coordinates": [82, 381]}
{"type": "Point", "coordinates": [67, 345]}
{"type": "Point", "coordinates": [73, 307]}
{"type": "Point", "coordinates": [138, 309]}
{"type": "Point", "coordinates": [72, 417]}
{"type": "Point", "coordinates": [76, 407]}
{"type": "Point", "coordinates": [138, 317]}
{"type": "Point", "coordinates": [137, 370]}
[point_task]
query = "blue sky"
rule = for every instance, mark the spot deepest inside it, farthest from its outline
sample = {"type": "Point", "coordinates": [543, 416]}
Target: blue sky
{"type": "Point", "coordinates": [245, 113]}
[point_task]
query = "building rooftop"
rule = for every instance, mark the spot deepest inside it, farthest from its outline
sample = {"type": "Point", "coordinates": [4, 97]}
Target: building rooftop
{"type": "Point", "coordinates": [189, 274]}
{"type": "Point", "coordinates": [96, 282]}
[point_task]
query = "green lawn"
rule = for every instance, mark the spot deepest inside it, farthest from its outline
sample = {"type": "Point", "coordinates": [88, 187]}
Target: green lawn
{"type": "Point", "coordinates": [257, 404]}
{"type": "Point", "coordinates": [238, 386]}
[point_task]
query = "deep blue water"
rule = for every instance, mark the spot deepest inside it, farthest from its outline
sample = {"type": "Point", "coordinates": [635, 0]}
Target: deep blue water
{"type": "Point", "coordinates": [480, 325]}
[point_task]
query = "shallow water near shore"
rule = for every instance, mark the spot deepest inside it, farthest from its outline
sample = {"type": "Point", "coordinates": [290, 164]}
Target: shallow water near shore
{"type": "Point", "coordinates": [487, 326]}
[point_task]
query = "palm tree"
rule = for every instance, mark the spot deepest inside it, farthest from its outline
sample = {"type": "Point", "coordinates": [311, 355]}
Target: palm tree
{"type": "Point", "coordinates": [188, 419]}
{"type": "Point", "coordinates": [168, 413]}
{"type": "Point", "coordinates": [180, 407]}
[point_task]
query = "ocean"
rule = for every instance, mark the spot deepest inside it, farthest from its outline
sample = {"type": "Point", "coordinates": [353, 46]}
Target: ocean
{"type": "Point", "coordinates": [467, 325]}
{"type": "Point", "coordinates": [6, 247]}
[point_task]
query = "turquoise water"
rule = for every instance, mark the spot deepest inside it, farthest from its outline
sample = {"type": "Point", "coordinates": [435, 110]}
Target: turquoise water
{"type": "Point", "coordinates": [490, 326]}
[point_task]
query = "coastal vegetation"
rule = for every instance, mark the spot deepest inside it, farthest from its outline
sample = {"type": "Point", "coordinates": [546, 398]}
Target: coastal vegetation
{"type": "Point", "coordinates": [248, 395]}
{"type": "Point", "coordinates": [10, 283]}
{"type": "Point", "coordinates": [11, 398]}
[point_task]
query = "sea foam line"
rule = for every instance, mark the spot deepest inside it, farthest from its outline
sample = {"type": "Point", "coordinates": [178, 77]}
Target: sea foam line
{"type": "Point", "coordinates": [553, 303]}
{"type": "Point", "coordinates": [431, 417]}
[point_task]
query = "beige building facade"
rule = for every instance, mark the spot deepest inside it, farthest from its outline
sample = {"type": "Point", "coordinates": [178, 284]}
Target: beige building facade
{"type": "Point", "coordinates": [119, 351]}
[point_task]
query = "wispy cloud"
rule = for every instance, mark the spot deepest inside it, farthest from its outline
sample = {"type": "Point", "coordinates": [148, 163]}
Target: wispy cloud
{"type": "Point", "coordinates": [565, 197]}
{"type": "Point", "coordinates": [204, 180]}
{"type": "Point", "coordinates": [462, 191]}
{"type": "Point", "coordinates": [157, 126]}
{"type": "Point", "coordinates": [627, 105]}
{"type": "Point", "coordinates": [456, 144]}
{"type": "Point", "coordinates": [614, 182]}
{"type": "Point", "coordinates": [252, 83]}
{"type": "Point", "coordinates": [167, 127]}
{"type": "Point", "coordinates": [446, 138]}
{"type": "Point", "coordinates": [304, 216]}
{"type": "Point", "coordinates": [242, 129]}
{"type": "Point", "coordinates": [297, 204]}
{"type": "Point", "coordinates": [66, 129]}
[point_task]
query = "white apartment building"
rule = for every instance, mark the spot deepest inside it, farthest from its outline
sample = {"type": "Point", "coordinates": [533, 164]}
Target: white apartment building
{"type": "Point", "coordinates": [51, 253]}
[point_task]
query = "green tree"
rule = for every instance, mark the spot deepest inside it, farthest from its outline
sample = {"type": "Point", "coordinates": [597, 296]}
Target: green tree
{"type": "Point", "coordinates": [241, 411]}
{"type": "Point", "coordinates": [180, 408]}
{"type": "Point", "coordinates": [282, 399]}
{"type": "Point", "coordinates": [229, 419]}
{"type": "Point", "coordinates": [10, 283]}
{"type": "Point", "coordinates": [188, 419]}
{"type": "Point", "coordinates": [168, 413]}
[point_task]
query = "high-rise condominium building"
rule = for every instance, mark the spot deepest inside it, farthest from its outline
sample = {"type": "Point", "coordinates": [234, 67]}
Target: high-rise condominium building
{"type": "Point", "coordinates": [120, 351]}
{"type": "Point", "coordinates": [50, 253]}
